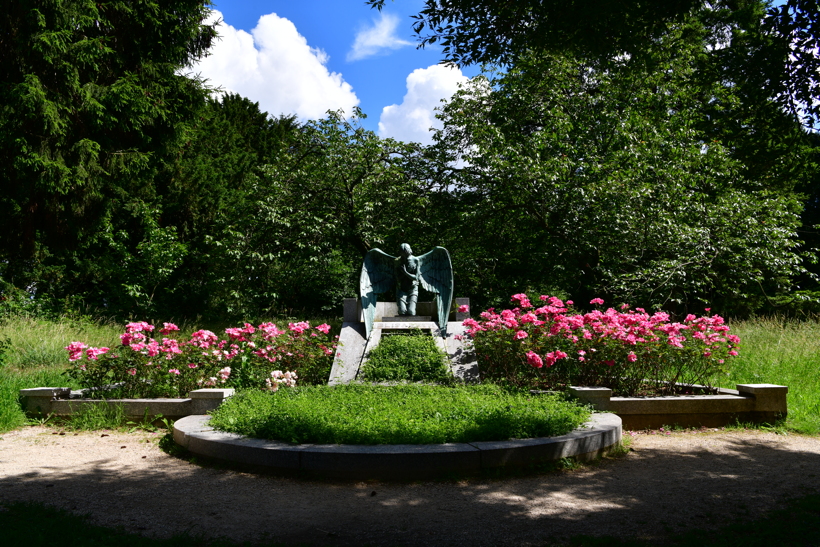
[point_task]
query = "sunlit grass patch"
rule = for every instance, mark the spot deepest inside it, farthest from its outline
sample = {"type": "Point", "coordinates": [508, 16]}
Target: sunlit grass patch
{"type": "Point", "coordinates": [403, 414]}
{"type": "Point", "coordinates": [785, 352]}
{"type": "Point", "coordinates": [406, 357]}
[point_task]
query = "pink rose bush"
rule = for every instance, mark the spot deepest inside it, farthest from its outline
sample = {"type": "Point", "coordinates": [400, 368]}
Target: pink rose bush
{"type": "Point", "coordinates": [551, 347]}
{"type": "Point", "coordinates": [144, 366]}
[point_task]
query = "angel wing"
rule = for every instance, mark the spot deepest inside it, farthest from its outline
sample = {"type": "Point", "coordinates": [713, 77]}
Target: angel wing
{"type": "Point", "coordinates": [377, 277]}
{"type": "Point", "coordinates": [436, 276]}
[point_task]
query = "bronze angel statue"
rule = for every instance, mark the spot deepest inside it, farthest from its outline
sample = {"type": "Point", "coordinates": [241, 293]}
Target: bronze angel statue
{"type": "Point", "coordinates": [382, 272]}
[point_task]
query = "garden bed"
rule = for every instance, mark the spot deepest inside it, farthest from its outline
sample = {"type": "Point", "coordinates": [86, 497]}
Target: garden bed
{"type": "Point", "coordinates": [61, 401]}
{"type": "Point", "coordinates": [750, 403]}
{"type": "Point", "coordinates": [400, 414]}
{"type": "Point", "coordinates": [600, 435]}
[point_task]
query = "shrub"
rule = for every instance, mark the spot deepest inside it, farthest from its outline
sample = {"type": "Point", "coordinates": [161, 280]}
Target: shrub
{"type": "Point", "coordinates": [550, 347]}
{"type": "Point", "coordinates": [413, 358]}
{"type": "Point", "coordinates": [145, 367]}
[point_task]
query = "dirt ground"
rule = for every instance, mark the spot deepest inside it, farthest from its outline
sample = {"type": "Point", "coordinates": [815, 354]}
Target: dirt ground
{"type": "Point", "coordinates": [664, 483]}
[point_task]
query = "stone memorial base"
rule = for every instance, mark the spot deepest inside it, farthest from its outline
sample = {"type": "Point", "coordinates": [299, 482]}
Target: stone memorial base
{"type": "Point", "coordinates": [408, 319]}
{"type": "Point", "coordinates": [354, 346]}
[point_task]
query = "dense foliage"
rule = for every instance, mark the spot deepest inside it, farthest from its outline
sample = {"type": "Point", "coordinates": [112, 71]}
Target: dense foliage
{"type": "Point", "coordinates": [784, 38]}
{"type": "Point", "coordinates": [653, 153]}
{"type": "Point", "coordinates": [404, 414]}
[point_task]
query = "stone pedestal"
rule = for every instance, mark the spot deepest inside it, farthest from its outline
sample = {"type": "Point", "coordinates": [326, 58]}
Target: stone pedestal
{"type": "Point", "coordinates": [354, 347]}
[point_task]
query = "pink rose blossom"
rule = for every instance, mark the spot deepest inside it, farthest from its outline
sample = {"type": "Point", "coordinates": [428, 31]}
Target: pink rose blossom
{"type": "Point", "coordinates": [94, 353]}
{"type": "Point", "coordinates": [168, 328]}
{"type": "Point", "coordinates": [520, 335]}
{"type": "Point", "coordinates": [534, 359]}
{"type": "Point", "coordinates": [75, 350]}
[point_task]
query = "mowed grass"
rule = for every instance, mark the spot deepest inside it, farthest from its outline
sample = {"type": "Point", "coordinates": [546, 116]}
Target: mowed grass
{"type": "Point", "coordinates": [784, 352]}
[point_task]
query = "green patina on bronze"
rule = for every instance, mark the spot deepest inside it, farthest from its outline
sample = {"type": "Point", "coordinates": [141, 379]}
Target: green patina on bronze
{"type": "Point", "coordinates": [382, 272]}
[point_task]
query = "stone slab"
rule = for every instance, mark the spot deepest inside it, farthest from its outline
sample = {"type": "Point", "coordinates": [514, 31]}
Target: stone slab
{"type": "Point", "coordinates": [408, 318]}
{"type": "Point", "coordinates": [768, 397]}
{"type": "Point", "coordinates": [390, 461]}
{"type": "Point", "coordinates": [463, 361]}
{"type": "Point", "coordinates": [751, 403]}
{"type": "Point", "coordinates": [194, 434]}
{"type": "Point", "coordinates": [597, 436]}
{"type": "Point", "coordinates": [683, 404]}
{"type": "Point", "coordinates": [200, 401]}
{"type": "Point", "coordinates": [349, 354]}
{"type": "Point", "coordinates": [352, 310]}
{"type": "Point", "coordinates": [52, 392]}
{"type": "Point", "coordinates": [211, 393]}
{"type": "Point", "coordinates": [407, 325]}
{"type": "Point", "coordinates": [132, 408]}
{"type": "Point", "coordinates": [205, 400]}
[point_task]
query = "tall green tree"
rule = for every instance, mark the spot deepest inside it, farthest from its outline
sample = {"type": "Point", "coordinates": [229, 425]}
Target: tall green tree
{"type": "Point", "coordinates": [593, 177]}
{"type": "Point", "coordinates": [499, 32]}
{"type": "Point", "coordinates": [92, 101]}
{"type": "Point", "coordinates": [336, 192]}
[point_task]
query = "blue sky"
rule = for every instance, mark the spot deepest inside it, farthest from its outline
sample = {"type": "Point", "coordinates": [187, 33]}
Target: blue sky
{"type": "Point", "coordinates": [305, 57]}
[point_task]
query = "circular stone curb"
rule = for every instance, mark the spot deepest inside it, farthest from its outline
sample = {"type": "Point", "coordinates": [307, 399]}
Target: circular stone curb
{"type": "Point", "coordinates": [599, 435]}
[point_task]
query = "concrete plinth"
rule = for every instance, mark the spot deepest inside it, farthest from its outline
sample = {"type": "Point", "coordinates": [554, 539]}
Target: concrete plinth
{"type": "Point", "coordinates": [750, 403]}
{"type": "Point", "coordinates": [56, 401]}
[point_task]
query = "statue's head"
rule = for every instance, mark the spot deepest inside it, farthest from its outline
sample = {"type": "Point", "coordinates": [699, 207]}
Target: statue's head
{"type": "Point", "coordinates": [406, 250]}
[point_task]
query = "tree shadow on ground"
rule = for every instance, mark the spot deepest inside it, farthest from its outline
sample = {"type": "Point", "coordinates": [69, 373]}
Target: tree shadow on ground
{"type": "Point", "coordinates": [653, 494]}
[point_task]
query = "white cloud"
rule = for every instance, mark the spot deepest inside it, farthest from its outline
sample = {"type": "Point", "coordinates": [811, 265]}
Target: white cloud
{"type": "Point", "coordinates": [412, 119]}
{"type": "Point", "coordinates": [275, 66]}
{"type": "Point", "coordinates": [374, 40]}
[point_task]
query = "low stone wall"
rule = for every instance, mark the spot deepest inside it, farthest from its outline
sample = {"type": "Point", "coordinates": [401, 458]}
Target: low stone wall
{"type": "Point", "coordinates": [408, 461]}
{"type": "Point", "coordinates": [61, 401]}
{"type": "Point", "coordinates": [750, 403]}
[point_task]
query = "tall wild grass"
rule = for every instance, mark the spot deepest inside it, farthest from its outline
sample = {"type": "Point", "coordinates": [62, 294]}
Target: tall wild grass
{"type": "Point", "coordinates": [785, 352]}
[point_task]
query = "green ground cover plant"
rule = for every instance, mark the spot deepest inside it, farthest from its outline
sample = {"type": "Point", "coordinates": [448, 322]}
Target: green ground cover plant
{"type": "Point", "coordinates": [401, 414]}
{"type": "Point", "coordinates": [411, 357]}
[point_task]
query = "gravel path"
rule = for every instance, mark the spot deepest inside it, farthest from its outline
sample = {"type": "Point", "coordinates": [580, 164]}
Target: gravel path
{"type": "Point", "coordinates": [665, 482]}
